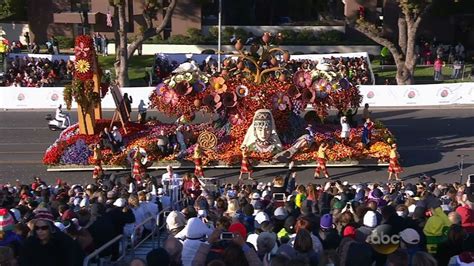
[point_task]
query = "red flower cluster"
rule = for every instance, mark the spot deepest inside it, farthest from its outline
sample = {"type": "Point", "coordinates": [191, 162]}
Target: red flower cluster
{"type": "Point", "coordinates": [84, 52]}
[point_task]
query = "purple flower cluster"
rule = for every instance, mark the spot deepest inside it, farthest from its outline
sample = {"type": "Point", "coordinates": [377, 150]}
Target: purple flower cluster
{"type": "Point", "coordinates": [78, 153]}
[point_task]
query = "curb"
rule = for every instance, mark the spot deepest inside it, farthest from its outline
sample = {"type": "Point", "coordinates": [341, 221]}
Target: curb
{"type": "Point", "coordinates": [77, 168]}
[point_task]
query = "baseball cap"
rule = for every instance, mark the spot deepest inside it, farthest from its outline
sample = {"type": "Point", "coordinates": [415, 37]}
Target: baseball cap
{"type": "Point", "coordinates": [280, 213]}
{"type": "Point", "coordinates": [410, 236]}
{"type": "Point", "coordinates": [255, 196]}
{"type": "Point", "coordinates": [120, 202]}
{"type": "Point", "coordinates": [261, 217]}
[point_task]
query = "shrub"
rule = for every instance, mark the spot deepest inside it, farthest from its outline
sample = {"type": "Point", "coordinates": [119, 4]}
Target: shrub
{"type": "Point", "coordinates": [194, 35]}
{"type": "Point", "coordinates": [332, 36]}
{"type": "Point", "coordinates": [179, 39]}
{"type": "Point", "coordinates": [65, 42]}
{"type": "Point", "coordinates": [305, 35]}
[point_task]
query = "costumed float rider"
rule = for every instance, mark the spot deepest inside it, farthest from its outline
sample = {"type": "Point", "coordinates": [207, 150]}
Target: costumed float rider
{"type": "Point", "coordinates": [197, 157]}
{"type": "Point", "coordinates": [139, 169]}
{"type": "Point", "coordinates": [394, 167]}
{"type": "Point", "coordinates": [246, 166]}
{"type": "Point", "coordinates": [322, 161]}
{"type": "Point", "coordinates": [180, 137]}
{"type": "Point", "coordinates": [97, 161]}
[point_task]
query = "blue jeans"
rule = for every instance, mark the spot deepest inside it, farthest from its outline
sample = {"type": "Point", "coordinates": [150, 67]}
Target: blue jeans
{"type": "Point", "coordinates": [437, 75]}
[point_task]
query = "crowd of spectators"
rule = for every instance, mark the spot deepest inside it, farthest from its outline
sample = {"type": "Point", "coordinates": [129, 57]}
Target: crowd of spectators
{"type": "Point", "coordinates": [37, 72]}
{"type": "Point", "coordinates": [356, 69]}
{"type": "Point", "coordinates": [283, 222]}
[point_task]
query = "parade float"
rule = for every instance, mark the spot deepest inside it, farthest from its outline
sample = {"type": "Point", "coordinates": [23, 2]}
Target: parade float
{"type": "Point", "coordinates": [257, 102]}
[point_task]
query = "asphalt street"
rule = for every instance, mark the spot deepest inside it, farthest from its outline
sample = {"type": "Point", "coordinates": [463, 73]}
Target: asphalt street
{"type": "Point", "coordinates": [430, 141]}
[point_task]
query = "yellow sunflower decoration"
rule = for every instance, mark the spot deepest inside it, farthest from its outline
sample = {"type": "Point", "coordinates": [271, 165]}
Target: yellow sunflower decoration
{"type": "Point", "coordinates": [82, 66]}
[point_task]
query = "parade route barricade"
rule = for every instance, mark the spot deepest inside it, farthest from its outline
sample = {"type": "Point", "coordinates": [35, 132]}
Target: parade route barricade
{"type": "Point", "coordinates": [444, 94]}
{"type": "Point", "coordinates": [96, 253]}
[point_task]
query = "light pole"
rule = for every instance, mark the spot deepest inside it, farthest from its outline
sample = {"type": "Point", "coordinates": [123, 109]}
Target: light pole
{"type": "Point", "coordinates": [219, 28]}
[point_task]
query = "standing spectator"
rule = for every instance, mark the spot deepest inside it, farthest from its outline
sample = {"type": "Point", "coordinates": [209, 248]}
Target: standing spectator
{"type": "Point", "coordinates": [97, 42]}
{"type": "Point", "coordinates": [437, 225]}
{"type": "Point", "coordinates": [54, 45]}
{"type": "Point", "coordinates": [171, 183]}
{"type": "Point", "coordinates": [8, 238]}
{"type": "Point", "coordinates": [457, 66]}
{"type": "Point", "coordinates": [384, 55]}
{"type": "Point", "coordinates": [466, 210]}
{"type": "Point", "coordinates": [34, 48]}
{"type": "Point", "coordinates": [48, 246]}
{"type": "Point", "coordinates": [459, 49]}
{"type": "Point", "coordinates": [438, 69]}
{"type": "Point", "coordinates": [27, 40]}
{"type": "Point", "coordinates": [104, 43]}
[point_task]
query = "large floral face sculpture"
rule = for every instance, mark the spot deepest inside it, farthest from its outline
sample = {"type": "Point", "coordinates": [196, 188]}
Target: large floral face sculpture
{"type": "Point", "coordinates": [261, 136]}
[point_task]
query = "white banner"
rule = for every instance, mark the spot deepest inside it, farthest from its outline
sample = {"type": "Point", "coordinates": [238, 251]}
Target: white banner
{"type": "Point", "coordinates": [374, 95]}
{"type": "Point", "coordinates": [52, 97]}
{"type": "Point", "coordinates": [418, 95]}
{"type": "Point", "coordinates": [51, 57]}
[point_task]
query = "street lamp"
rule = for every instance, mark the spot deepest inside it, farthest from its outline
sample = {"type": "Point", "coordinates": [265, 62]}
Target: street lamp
{"type": "Point", "coordinates": [219, 28]}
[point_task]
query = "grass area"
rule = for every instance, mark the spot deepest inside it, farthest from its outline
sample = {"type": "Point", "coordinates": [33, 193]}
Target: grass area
{"type": "Point", "coordinates": [138, 65]}
{"type": "Point", "coordinates": [423, 74]}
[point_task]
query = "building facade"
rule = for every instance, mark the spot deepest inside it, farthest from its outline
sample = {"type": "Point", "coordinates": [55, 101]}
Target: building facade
{"type": "Point", "coordinates": [65, 17]}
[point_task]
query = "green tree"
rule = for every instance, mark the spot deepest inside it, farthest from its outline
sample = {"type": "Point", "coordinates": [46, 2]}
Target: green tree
{"type": "Point", "coordinates": [149, 30]}
{"type": "Point", "coordinates": [13, 9]}
{"type": "Point", "coordinates": [403, 49]}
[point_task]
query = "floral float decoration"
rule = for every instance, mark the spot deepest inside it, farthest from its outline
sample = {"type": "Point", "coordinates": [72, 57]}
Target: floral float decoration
{"type": "Point", "coordinates": [258, 79]}
{"type": "Point", "coordinates": [82, 89]}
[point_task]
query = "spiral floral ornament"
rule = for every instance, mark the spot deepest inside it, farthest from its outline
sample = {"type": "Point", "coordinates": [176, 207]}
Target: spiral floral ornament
{"type": "Point", "coordinates": [207, 140]}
